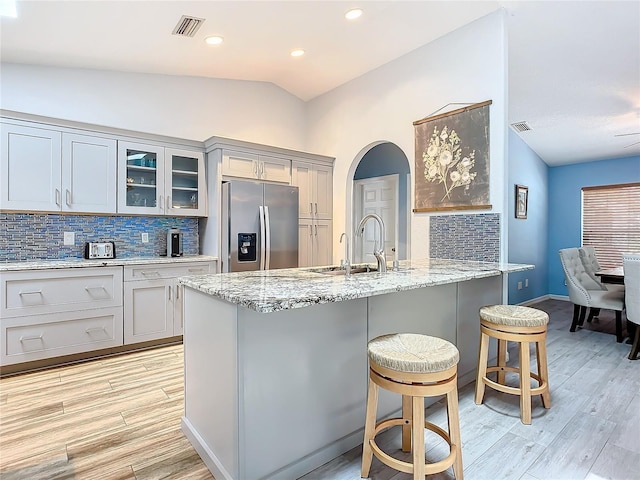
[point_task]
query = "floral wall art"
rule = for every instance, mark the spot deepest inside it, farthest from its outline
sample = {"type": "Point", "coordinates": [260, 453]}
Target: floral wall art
{"type": "Point", "coordinates": [452, 160]}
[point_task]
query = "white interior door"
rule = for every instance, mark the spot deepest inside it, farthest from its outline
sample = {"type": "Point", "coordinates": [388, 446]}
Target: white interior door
{"type": "Point", "coordinates": [377, 195]}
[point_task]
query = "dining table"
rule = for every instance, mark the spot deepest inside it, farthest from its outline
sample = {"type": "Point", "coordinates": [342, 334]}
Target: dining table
{"type": "Point", "coordinates": [613, 275]}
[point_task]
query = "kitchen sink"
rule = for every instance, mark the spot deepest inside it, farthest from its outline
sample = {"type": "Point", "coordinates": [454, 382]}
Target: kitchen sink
{"type": "Point", "coordinates": [342, 271]}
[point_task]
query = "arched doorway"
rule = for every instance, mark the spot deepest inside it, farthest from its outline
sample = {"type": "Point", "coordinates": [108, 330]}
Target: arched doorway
{"type": "Point", "coordinates": [379, 182]}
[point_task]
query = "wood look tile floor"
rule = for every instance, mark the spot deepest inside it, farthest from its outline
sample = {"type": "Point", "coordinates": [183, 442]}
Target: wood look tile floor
{"type": "Point", "coordinates": [119, 418]}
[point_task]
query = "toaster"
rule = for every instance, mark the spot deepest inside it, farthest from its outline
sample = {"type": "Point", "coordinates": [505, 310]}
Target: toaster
{"type": "Point", "coordinates": [99, 250]}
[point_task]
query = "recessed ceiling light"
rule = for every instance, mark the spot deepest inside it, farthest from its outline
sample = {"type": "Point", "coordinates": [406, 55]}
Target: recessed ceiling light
{"type": "Point", "coordinates": [214, 40]}
{"type": "Point", "coordinates": [298, 52]}
{"type": "Point", "coordinates": [353, 14]}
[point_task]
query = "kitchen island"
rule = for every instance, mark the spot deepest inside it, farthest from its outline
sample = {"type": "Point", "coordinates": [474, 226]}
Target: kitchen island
{"type": "Point", "coordinates": [276, 365]}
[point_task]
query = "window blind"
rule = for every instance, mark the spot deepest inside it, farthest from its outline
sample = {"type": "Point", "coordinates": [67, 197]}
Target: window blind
{"type": "Point", "coordinates": [611, 221]}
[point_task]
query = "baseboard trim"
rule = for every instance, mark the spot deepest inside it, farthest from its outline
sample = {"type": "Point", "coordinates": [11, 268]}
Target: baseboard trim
{"type": "Point", "coordinates": [549, 296]}
{"type": "Point", "coordinates": [533, 301]}
{"type": "Point", "coordinates": [208, 457]}
{"type": "Point", "coordinates": [564, 298]}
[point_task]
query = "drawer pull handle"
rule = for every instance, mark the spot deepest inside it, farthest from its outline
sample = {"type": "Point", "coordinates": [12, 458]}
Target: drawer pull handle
{"type": "Point", "coordinates": [150, 273]}
{"type": "Point", "coordinates": [196, 270]}
{"type": "Point", "coordinates": [101, 287]}
{"type": "Point", "coordinates": [31, 337]}
{"type": "Point", "coordinates": [34, 292]}
{"type": "Point", "coordinates": [91, 330]}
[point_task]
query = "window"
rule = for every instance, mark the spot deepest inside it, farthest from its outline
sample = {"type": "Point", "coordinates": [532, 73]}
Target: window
{"type": "Point", "coordinates": [611, 221]}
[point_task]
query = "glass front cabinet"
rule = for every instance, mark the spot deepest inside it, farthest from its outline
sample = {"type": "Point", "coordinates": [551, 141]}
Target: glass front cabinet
{"type": "Point", "coordinates": [155, 180]}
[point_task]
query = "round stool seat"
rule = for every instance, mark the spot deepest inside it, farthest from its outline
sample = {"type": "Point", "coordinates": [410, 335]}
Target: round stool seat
{"type": "Point", "coordinates": [413, 353]}
{"type": "Point", "coordinates": [514, 316]}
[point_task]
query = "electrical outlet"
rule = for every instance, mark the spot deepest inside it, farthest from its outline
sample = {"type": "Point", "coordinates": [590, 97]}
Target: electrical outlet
{"type": "Point", "coordinates": [69, 238]}
{"type": "Point", "coordinates": [145, 237]}
{"type": "Point", "coordinates": [519, 285]}
{"type": "Point", "coordinates": [526, 282]}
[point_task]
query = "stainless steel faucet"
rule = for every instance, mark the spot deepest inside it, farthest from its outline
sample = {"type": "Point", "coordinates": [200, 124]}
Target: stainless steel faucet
{"type": "Point", "coordinates": [346, 263]}
{"type": "Point", "coordinates": [377, 252]}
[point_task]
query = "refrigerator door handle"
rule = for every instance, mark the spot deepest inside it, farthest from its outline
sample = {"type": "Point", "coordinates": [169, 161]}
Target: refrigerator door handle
{"type": "Point", "coordinates": [267, 227]}
{"type": "Point", "coordinates": [262, 238]}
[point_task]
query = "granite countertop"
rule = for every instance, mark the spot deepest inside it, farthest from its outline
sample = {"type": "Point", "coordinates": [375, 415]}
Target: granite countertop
{"type": "Point", "coordinates": [284, 289]}
{"type": "Point", "coordinates": [112, 262]}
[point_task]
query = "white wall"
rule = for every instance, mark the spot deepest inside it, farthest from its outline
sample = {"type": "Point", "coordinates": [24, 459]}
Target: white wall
{"type": "Point", "coordinates": [185, 107]}
{"type": "Point", "coordinates": [468, 65]}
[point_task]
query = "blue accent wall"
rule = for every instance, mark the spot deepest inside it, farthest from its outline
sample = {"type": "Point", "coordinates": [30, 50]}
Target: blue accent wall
{"type": "Point", "coordinates": [565, 205]}
{"type": "Point", "coordinates": [29, 236]}
{"type": "Point", "coordinates": [527, 236]}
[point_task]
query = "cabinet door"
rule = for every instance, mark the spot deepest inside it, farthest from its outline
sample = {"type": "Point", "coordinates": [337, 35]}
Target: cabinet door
{"type": "Point", "coordinates": [148, 311]}
{"type": "Point", "coordinates": [185, 183]}
{"type": "Point", "coordinates": [88, 174]}
{"type": "Point", "coordinates": [30, 168]}
{"type": "Point", "coordinates": [322, 188]}
{"type": "Point", "coordinates": [244, 165]}
{"type": "Point", "coordinates": [275, 169]}
{"type": "Point", "coordinates": [301, 178]}
{"type": "Point", "coordinates": [322, 243]}
{"type": "Point", "coordinates": [305, 243]}
{"type": "Point", "coordinates": [141, 179]}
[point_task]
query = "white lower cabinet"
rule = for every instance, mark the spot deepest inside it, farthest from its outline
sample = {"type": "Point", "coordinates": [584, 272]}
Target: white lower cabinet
{"type": "Point", "coordinates": [55, 312]}
{"type": "Point", "coordinates": [45, 336]}
{"type": "Point", "coordinates": [50, 313]}
{"type": "Point", "coordinates": [153, 300]}
{"type": "Point", "coordinates": [148, 311]}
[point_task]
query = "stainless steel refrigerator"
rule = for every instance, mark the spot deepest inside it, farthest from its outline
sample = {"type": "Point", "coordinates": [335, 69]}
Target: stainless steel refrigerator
{"type": "Point", "coordinates": [259, 226]}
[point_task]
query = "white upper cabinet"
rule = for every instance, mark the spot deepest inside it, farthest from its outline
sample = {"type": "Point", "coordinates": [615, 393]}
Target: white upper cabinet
{"type": "Point", "coordinates": [315, 185]}
{"type": "Point", "coordinates": [258, 167]}
{"type": "Point", "coordinates": [88, 174]}
{"type": "Point", "coordinates": [48, 170]}
{"type": "Point", "coordinates": [185, 184]}
{"type": "Point", "coordinates": [140, 178]}
{"type": "Point", "coordinates": [155, 180]}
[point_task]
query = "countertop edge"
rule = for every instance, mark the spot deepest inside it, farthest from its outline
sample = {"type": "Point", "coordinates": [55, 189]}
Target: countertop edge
{"type": "Point", "coordinates": [337, 289]}
{"type": "Point", "coordinates": [114, 262]}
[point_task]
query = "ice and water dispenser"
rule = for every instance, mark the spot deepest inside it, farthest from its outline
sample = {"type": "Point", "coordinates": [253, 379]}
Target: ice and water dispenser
{"type": "Point", "coordinates": [247, 247]}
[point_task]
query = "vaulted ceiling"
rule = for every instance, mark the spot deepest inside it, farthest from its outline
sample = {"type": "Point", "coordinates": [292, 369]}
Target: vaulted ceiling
{"type": "Point", "coordinates": [574, 67]}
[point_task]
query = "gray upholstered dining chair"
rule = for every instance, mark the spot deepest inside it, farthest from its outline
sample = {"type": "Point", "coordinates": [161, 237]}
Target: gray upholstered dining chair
{"type": "Point", "coordinates": [631, 264]}
{"type": "Point", "coordinates": [590, 261]}
{"type": "Point", "coordinates": [591, 265]}
{"type": "Point", "coordinates": [584, 292]}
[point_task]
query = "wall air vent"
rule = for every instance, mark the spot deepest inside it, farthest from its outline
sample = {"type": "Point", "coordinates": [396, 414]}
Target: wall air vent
{"type": "Point", "coordinates": [521, 126]}
{"type": "Point", "coordinates": [188, 26]}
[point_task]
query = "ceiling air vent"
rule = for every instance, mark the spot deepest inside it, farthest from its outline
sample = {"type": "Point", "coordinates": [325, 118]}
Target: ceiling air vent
{"type": "Point", "coordinates": [188, 26]}
{"type": "Point", "coordinates": [521, 126]}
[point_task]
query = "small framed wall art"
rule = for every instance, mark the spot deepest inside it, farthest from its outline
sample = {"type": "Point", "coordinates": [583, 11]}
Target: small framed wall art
{"type": "Point", "coordinates": [522, 201]}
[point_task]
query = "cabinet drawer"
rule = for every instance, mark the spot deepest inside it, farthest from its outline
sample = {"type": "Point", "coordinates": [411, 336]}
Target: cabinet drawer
{"type": "Point", "coordinates": [65, 290]}
{"type": "Point", "coordinates": [153, 271]}
{"type": "Point", "coordinates": [44, 336]}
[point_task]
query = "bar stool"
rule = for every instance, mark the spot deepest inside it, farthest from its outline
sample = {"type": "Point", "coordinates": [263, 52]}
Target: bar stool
{"type": "Point", "coordinates": [415, 366]}
{"type": "Point", "coordinates": [518, 324]}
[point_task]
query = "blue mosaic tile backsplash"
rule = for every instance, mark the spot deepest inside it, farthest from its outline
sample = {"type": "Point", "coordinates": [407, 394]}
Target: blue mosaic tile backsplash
{"type": "Point", "coordinates": [27, 236]}
{"type": "Point", "coordinates": [465, 237]}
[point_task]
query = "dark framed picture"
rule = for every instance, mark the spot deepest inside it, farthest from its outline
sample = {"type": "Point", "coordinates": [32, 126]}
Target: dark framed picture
{"type": "Point", "coordinates": [522, 201]}
{"type": "Point", "coordinates": [452, 160]}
